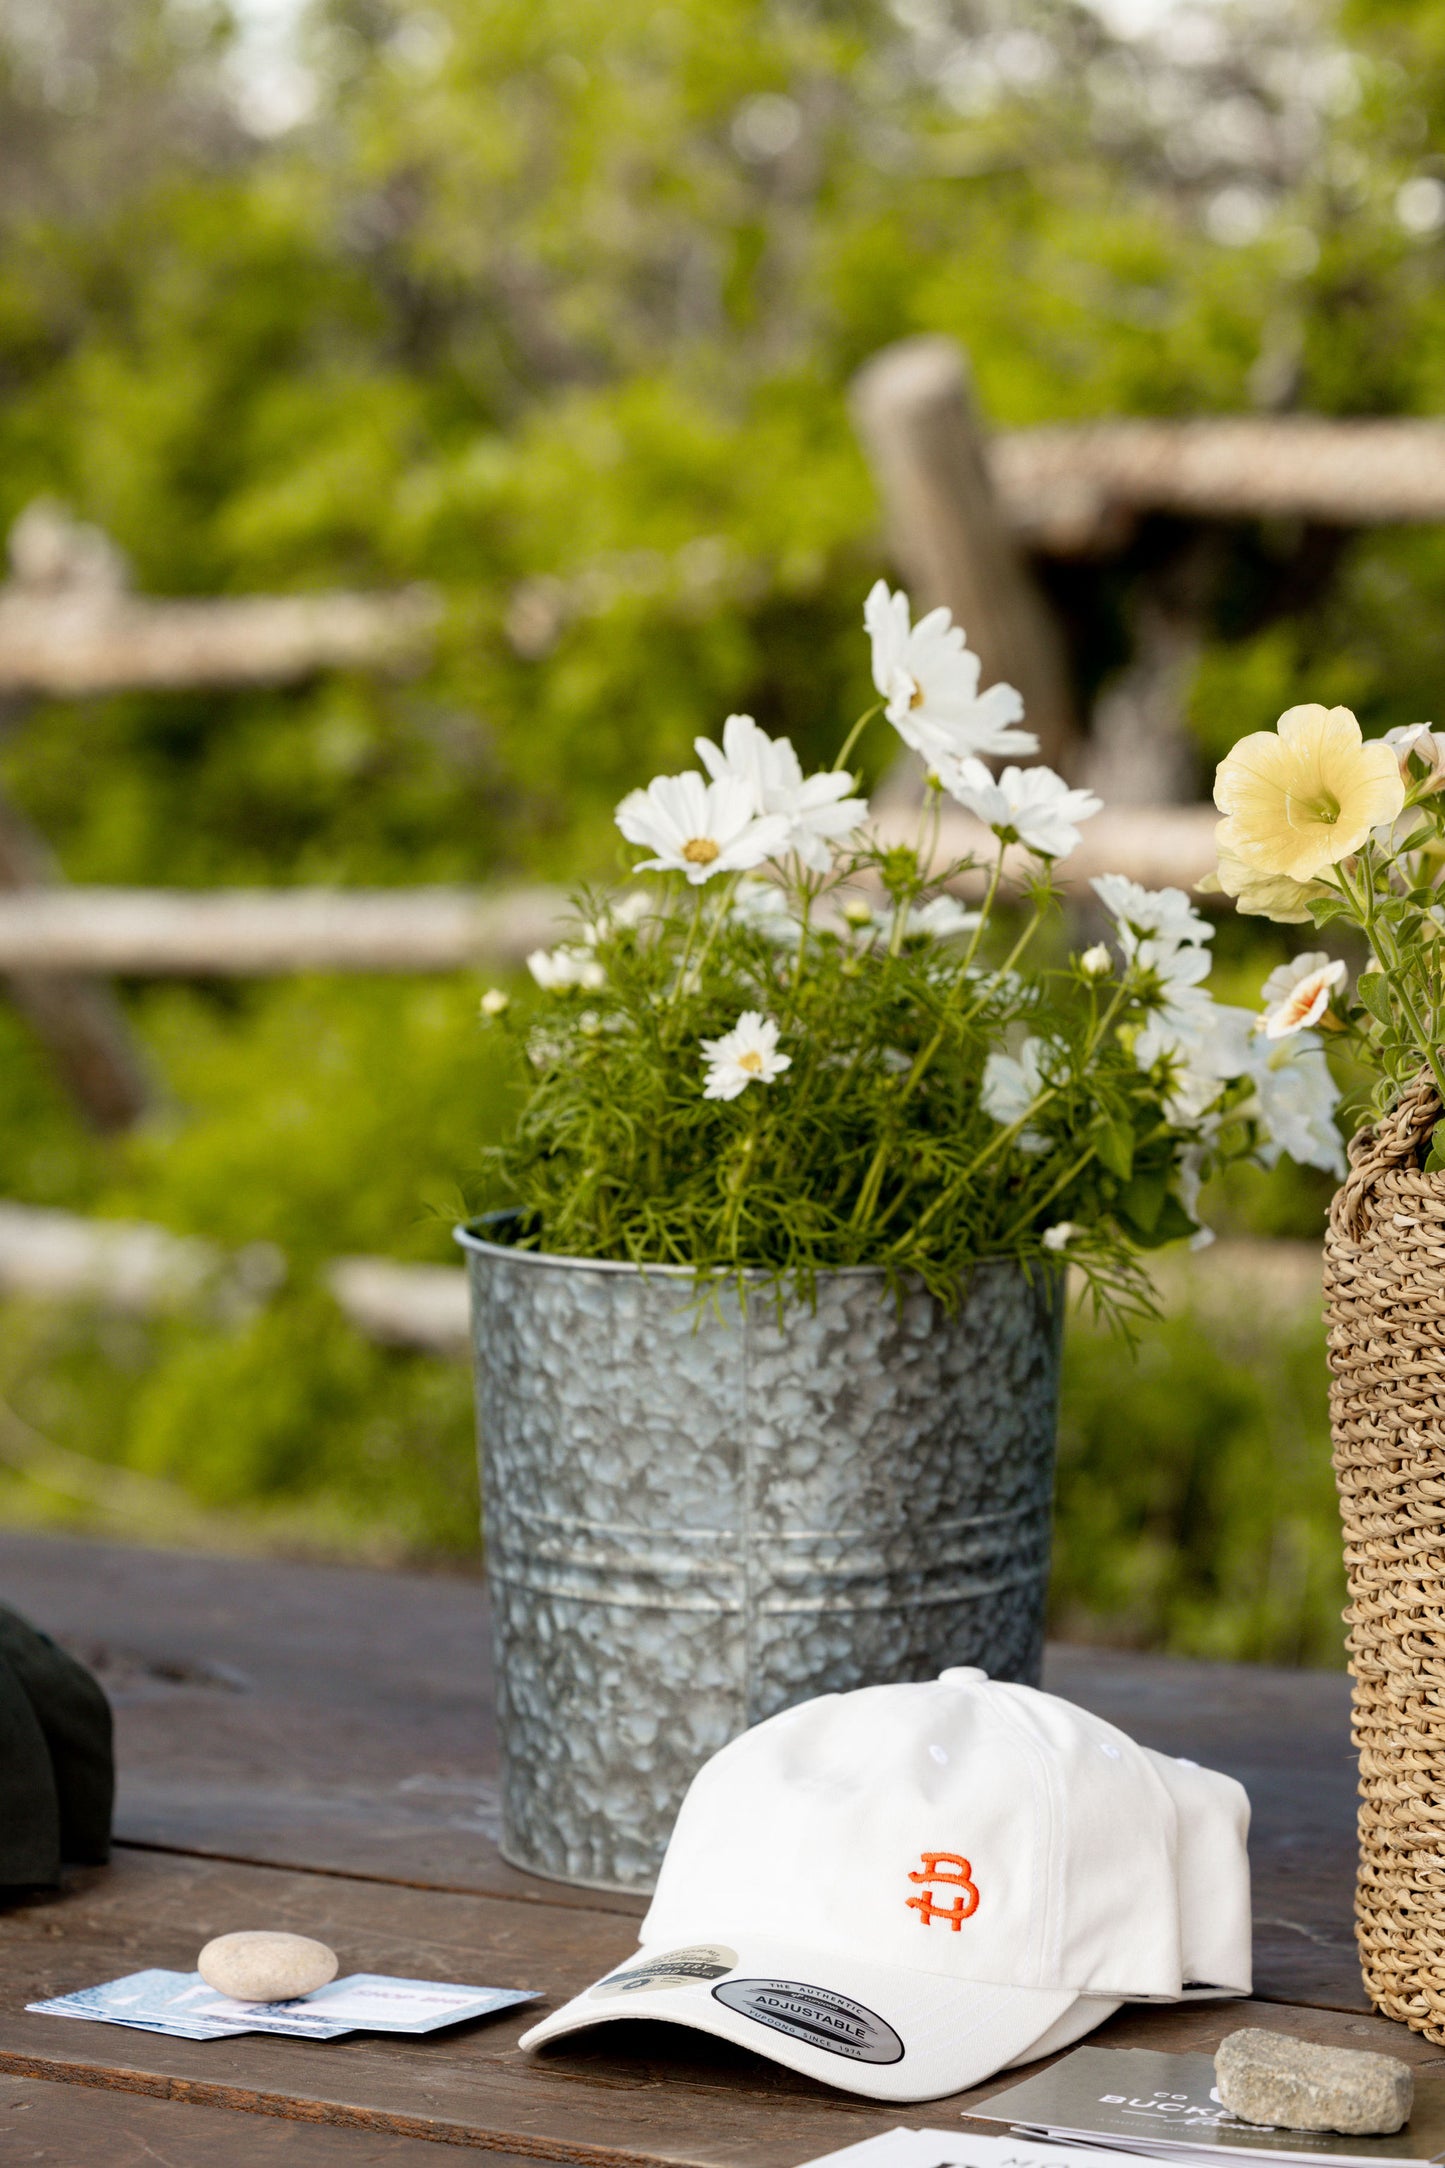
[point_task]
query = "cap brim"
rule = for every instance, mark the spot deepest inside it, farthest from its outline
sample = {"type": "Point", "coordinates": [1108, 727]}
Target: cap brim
{"type": "Point", "coordinates": [887, 2032]}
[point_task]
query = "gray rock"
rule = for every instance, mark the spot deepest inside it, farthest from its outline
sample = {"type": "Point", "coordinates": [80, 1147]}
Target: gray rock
{"type": "Point", "coordinates": [1269, 2077]}
{"type": "Point", "coordinates": [265, 1967]}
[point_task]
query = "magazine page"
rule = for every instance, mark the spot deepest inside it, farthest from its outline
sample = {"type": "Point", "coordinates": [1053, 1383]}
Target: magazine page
{"type": "Point", "coordinates": [1151, 2102]}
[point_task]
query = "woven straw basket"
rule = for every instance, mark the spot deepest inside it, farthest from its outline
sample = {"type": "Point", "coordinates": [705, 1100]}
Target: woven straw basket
{"type": "Point", "coordinates": [1385, 1297]}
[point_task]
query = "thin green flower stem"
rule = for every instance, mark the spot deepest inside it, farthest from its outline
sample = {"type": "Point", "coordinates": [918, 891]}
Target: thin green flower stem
{"type": "Point", "coordinates": [735, 1185]}
{"type": "Point", "coordinates": [681, 979]}
{"type": "Point", "coordinates": [986, 908]}
{"type": "Point", "coordinates": [857, 731]}
{"type": "Point", "coordinates": [1055, 1189]}
{"type": "Point", "coordinates": [999, 1139]}
{"type": "Point", "coordinates": [1102, 1023]}
{"type": "Point", "coordinates": [1373, 925]}
{"type": "Point", "coordinates": [1007, 965]}
{"type": "Point", "coordinates": [798, 960]}
{"type": "Point", "coordinates": [873, 1180]}
{"type": "Point", "coordinates": [723, 905]}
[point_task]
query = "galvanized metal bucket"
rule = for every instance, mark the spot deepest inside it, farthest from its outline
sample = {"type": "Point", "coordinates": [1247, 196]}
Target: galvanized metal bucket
{"type": "Point", "coordinates": [697, 1515]}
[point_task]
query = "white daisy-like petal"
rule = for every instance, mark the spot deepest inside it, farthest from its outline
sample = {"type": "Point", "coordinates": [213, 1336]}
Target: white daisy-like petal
{"type": "Point", "coordinates": [619, 912]}
{"type": "Point", "coordinates": [560, 969]}
{"type": "Point", "coordinates": [940, 919]}
{"type": "Point", "coordinates": [698, 828]}
{"type": "Point", "coordinates": [1030, 805]}
{"type": "Point", "coordinates": [762, 905]}
{"type": "Point", "coordinates": [1012, 1086]}
{"type": "Point", "coordinates": [928, 678]}
{"type": "Point", "coordinates": [1297, 1101]}
{"type": "Point", "coordinates": [1140, 912]}
{"type": "Point", "coordinates": [748, 1054]}
{"type": "Point", "coordinates": [818, 808]}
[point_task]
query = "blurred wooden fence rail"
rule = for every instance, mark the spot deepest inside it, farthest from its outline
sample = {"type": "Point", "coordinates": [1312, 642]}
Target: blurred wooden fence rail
{"type": "Point", "coordinates": [974, 517]}
{"type": "Point", "coordinates": [970, 517]}
{"type": "Point", "coordinates": [1072, 491]}
{"type": "Point", "coordinates": [70, 628]}
{"type": "Point", "coordinates": [71, 645]}
{"type": "Point", "coordinates": [131, 1268]}
{"type": "Point", "coordinates": [268, 932]}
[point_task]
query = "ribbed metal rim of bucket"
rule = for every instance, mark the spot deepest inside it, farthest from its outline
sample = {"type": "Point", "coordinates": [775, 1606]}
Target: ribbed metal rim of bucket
{"type": "Point", "coordinates": [468, 1239]}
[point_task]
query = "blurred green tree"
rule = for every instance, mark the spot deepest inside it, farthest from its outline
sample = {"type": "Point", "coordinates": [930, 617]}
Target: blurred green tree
{"type": "Point", "coordinates": [554, 303]}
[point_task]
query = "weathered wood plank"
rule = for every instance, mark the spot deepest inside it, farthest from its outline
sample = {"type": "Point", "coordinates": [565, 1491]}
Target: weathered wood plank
{"type": "Point", "coordinates": [310, 1716]}
{"type": "Point", "coordinates": [1070, 489]}
{"type": "Point", "coordinates": [336, 1719]}
{"type": "Point", "coordinates": [74, 643]}
{"type": "Point", "coordinates": [268, 932]}
{"type": "Point", "coordinates": [50, 2125]}
{"type": "Point", "coordinates": [639, 2094]}
{"type": "Point", "coordinates": [914, 409]}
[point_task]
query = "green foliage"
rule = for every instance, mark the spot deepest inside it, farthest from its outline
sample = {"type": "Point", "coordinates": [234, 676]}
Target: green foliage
{"type": "Point", "coordinates": [530, 309]}
{"type": "Point", "coordinates": [795, 1074]}
{"type": "Point", "coordinates": [1195, 1505]}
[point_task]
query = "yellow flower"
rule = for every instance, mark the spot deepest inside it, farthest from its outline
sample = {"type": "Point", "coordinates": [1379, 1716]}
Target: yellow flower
{"type": "Point", "coordinates": [1301, 798]}
{"type": "Point", "coordinates": [1262, 895]}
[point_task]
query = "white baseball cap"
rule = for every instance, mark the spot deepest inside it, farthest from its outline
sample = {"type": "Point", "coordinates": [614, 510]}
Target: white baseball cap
{"type": "Point", "coordinates": [902, 1890]}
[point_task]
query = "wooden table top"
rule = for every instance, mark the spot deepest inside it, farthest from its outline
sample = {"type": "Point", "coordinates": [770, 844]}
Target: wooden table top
{"type": "Point", "coordinates": [313, 1747]}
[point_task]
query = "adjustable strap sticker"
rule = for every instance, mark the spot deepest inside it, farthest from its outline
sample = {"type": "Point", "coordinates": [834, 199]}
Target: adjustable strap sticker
{"type": "Point", "coordinates": [814, 2014]}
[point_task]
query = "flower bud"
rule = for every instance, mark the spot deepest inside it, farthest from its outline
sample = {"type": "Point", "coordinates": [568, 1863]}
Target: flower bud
{"type": "Point", "coordinates": [495, 1002]}
{"type": "Point", "coordinates": [1096, 961]}
{"type": "Point", "coordinates": [857, 912]}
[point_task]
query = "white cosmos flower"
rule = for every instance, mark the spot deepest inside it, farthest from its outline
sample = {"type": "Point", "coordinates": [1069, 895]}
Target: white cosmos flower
{"type": "Point", "coordinates": [817, 808]}
{"type": "Point", "coordinates": [1012, 1087]}
{"type": "Point", "coordinates": [1032, 806]}
{"type": "Point", "coordinates": [561, 968]}
{"type": "Point", "coordinates": [1295, 1096]}
{"type": "Point", "coordinates": [940, 919]}
{"type": "Point", "coordinates": [1181, 1004]}
{"type": "Point", "coordinates": [929, 681]}
{"type": "Point", "coordinates": [617, 912]}
{"type": "Point", "coordinates": [1165, 913]}
{"type": "Point", "coordinates": [1297, 1101]}
{"type": "Point", "coordinates": [698, 828]}
{"type": "Point", "coordinates": [1297, 994]}
{"type": "Point", "coordinates": [1061, 1234]}
{"type": "Point", "coordinates": [748, 1054]}
{"type": "Point", "coordinates": [763, 906]}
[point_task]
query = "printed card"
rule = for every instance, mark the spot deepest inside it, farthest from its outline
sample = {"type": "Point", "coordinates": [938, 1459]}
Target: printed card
{"type": "Point", "coordinates": [182, 2005]}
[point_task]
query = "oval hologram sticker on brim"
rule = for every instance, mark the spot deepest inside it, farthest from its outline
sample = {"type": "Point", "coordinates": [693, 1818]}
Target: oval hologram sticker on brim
{"type": "Point", "coordinates": [814, 2014]}
{"type": "Point", "coordinates": [679, 1968]}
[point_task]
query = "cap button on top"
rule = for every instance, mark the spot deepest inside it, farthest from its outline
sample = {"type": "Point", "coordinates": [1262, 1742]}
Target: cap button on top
{"type": "Point", "coordinates": [963, 1675]}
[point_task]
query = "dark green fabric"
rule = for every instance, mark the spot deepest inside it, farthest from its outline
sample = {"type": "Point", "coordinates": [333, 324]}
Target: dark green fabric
{"type": "Point", "coordinates": [57, 1770]}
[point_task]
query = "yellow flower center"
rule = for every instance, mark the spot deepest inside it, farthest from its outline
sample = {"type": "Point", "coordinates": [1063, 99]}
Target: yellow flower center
{"type": "Point", "coordinates": [700, 851]}
{"type": "Point", "coordinates": [915, 698]}
{"type": "Point", "coordinates": [752, 1061]}
{"type": "Point", "coordinates": [1320, 811]}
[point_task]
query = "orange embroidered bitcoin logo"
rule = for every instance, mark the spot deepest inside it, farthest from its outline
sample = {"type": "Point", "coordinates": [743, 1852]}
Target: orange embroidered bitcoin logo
{"type": "Point", "coordinates": [964, 1905]}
